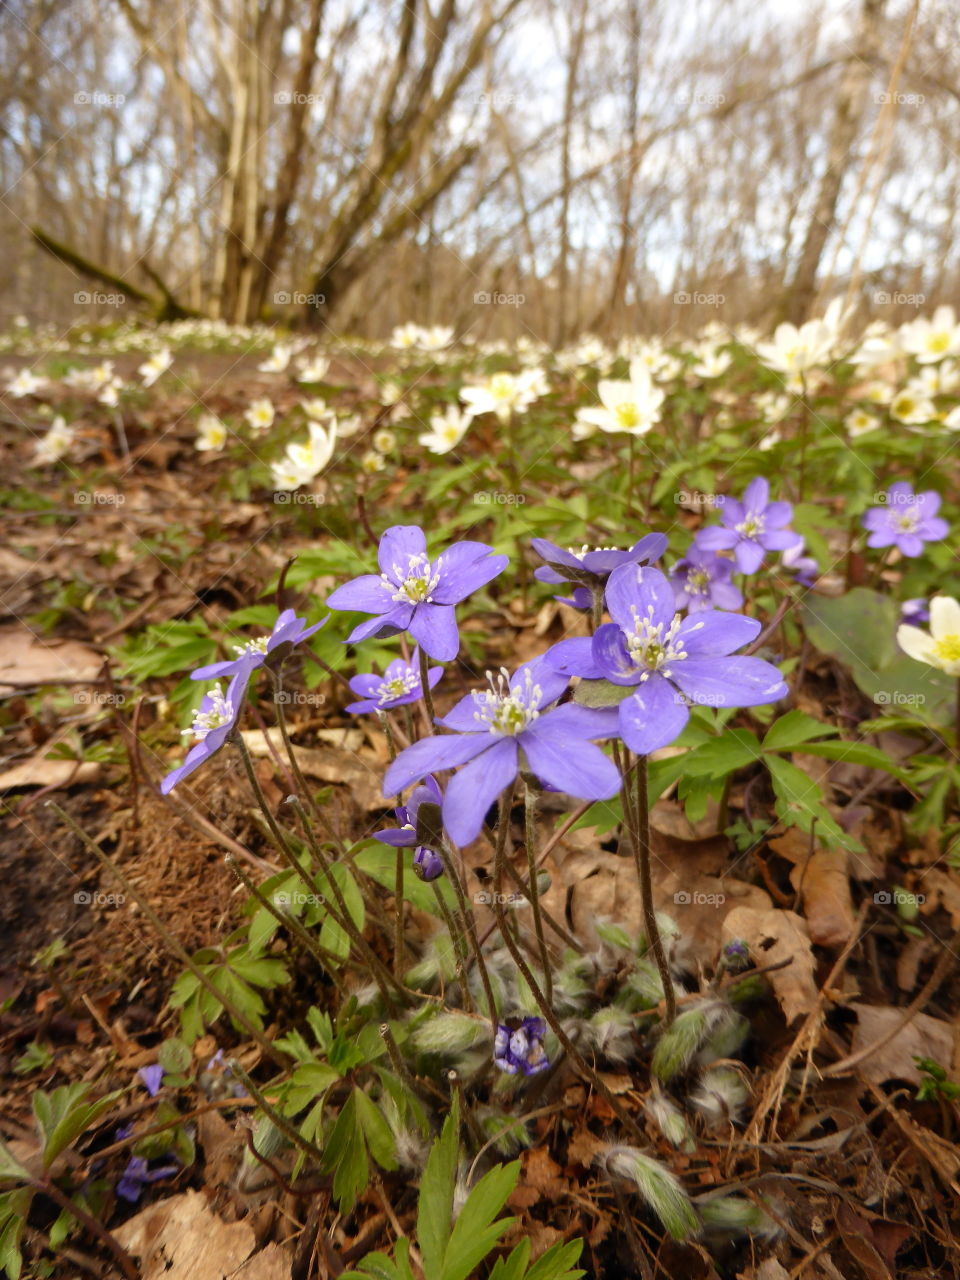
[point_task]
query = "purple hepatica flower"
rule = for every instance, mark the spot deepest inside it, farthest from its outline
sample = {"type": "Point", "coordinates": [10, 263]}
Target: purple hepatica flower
{"type": "Point", "coordinates": [913, 612]}
{"type": "Point", "coordinates": [750, 527]}
{"type": "Point", "coordinates": [906, 520]}
{"type": "Point", "coordinates": [520, 1048]}
{"type": "Point", "coordinates": [399, 685]}
{"type": "Point", "coordinates": [214, 724]}
{"type": "Point", "coordinates": [152, 1077]}
{"type": "Point", "coordinates": [670, 659]}
{"type": "Point", "coordinates": [137, 1175]}
{"type": "Point", "coordinates": [591, 567]}
{"type": "Point", "coordinates": [288, 630]}
{"type": "Point", "coordinates": [701, 581]}
{"type": "Point", "coordinates": [804, 567]}
{"type": "Point", "coordinates": [413, 593]}
{"type": "Point", "coordinates": [426, 862]}
{"type": "Point", "coordinates": [491, 729]}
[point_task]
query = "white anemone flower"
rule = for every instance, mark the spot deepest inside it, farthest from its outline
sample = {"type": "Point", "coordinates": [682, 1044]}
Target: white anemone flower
{"type": "Point", "coordinates": [211, 433]}
{"type": "Point", "coordinates": [277, 360]}
{"type": "Point", "coordinates": [632, 407]}
{"type": "Point", "coordinates": [155, 365]}
{"type": "Point", "coordinates": [940, 647]}
{"type": "Point", "coordinates": [261, 414]}
{"type": "Point", "coordinates": [314, 370]}
{"type": "Point", "coordinates": [934, 339]}
{"type": "Point", "coordinates": [25, 383]}
{"type": "Point", "coordinates": [55, 444]}
{"type": "Point", "coordinates": [447, 429]}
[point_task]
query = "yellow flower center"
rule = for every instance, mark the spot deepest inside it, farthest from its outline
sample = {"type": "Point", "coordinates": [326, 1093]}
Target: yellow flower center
{"type": "Point", "coordinates": [947, 648]}
{"type": "Point", "coordinates": [627, 414]}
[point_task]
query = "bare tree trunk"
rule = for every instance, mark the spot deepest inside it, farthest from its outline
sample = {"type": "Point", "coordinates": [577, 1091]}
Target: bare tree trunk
{"type": "Point", "coordinates": [848, 116]}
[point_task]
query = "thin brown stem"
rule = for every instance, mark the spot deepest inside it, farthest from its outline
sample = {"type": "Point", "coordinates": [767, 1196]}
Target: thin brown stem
{"type": "Point", "coordinates": [641, 852]}
{"type": "Point", "coordinates": [530, 832]}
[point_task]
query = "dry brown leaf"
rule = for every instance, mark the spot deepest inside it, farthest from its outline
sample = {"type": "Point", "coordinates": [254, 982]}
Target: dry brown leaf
{"type": "Point", "coordinates": [181, 1238]}
{"type": "Point", "coordinates": [940, 888]}
{"type": "Point", "coordinates": [583, 1147]}
{"type": "Point", "coordinates": [327, 764]}
{"type": "Point", "coordinates": [821, 878]}
{"type": "Point", "coordinates": [38, 771]}
{"type": "Point", "coordinates": [25, 661]}
{"type": "Point", "coordinates": [541, 1171]}
{"type": "Point", "coordinates": [271, 1263]}
{"type": "Point", "coordinates": [923, 1036]}
{"type": "Point", "coordinates": [699, 903]}
{"type": "Point", "coordinates": [779, 935]}
{"type": "Point", "coordinates": [769, 1269]}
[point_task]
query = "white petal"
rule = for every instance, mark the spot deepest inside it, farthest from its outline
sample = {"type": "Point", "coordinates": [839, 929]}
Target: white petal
{"type": "Point", "coordinates": [944, 617]}
{"type": "Point", "coordinates": [916, 644]}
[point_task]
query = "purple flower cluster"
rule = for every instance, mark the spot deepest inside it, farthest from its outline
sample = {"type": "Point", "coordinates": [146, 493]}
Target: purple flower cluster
{"type": "Point", "coordinates": [511, 725]}
{"type": "Point", "coordinates": [667, 660]}
{"type": "Point", "coordinates": [750, 527]}
{"type": "Point", "coordinates": [416, 594]}
{"type": "Point", "coordinates": [588, 569]}
{"type": "Point", "coordinates": [906, 520]}
{"type": "Point", "coordinates": [399, 685]}
{"type": "Point", "coordinates": [218, 714]}
{"type": "Point", "coordinates": [427, 863]}
{"type": "Point", "coordinates": [520, 1048]}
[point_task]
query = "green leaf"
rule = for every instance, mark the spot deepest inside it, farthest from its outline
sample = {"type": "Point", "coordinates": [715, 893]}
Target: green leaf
{"type": "Point", "coordinates": [379, 862]}
{"type": "Point", "coordinates": [555, 1264]}
{"type": "Point", "coordinates": [377, 1132]}
{"type": "Point", "coordinates": [63, 1115]}
{"type": "Point", "coordinates": [601, 693]}
{"type": "Point", "coordinates": [734, 749]}
{"type": "Point", "coordinates": [855, 753]}
{"type": "Point", "coordinates": [475, 1232]}
{"type": "Point", "coordinates": [11, 1168]}
{"type": "Point", "coordinates": [345, 1156]}
{"type": "Point", "coordinates": [435, 1208]}
{"type": "Point", "coordinates": [799, 803]}
{"type": "Point", "coordinates": [793, 729]}
{"type": "Point", "coordinates": [14, 1207]}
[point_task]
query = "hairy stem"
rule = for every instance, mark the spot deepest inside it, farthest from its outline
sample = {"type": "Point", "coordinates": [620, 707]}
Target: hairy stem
{"type": "Point", "coordinates": [640, 839]}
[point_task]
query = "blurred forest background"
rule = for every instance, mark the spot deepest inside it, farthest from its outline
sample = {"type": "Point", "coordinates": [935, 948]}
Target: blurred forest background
{"type": "Point", "coordinates": [586, 165]}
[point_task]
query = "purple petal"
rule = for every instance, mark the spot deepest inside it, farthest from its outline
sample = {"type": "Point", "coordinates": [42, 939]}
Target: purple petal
{"type": "Point", "coordinates": [748, 555]}
{"type": "Point", "coordinates": [780, 540]}
{"type": "Point", "coordinates": [778, 514]}
{"type": "Point", "coordinates": [586, 722]}
{"type": "Point", "coordinates": [466, 568]}
{"type": "Point", "coordinates": [928, 503]}
{"type": "Point", "coordinates": [387, 624]}
{"type": "Point", "coordinates": [649, 548]}
{"type": "Point", "coordinates": [611, 655]}
{"type": "Point", "coordinates": [729, 682]}
{"type": "Point", "coordinates": [216, 670]}
{"type": "Point", "coordinates": [910, 545]}
{"type": "Point", "coordinates": [434, 626]}
{"type": "Point", "coordinates": [444, 751]}
{"type": "Point", "coordinates": [571, 765]}
{"type": "Point", "coordinates": [934, 529]}
{"type": "Point", "coordinates": [574, 658]}
{"type": "Point", "coordinates": [152, 1077]}
{"type": "Point", "coordinates": [717, 538]}
{"type": "Point", "coordinates": [546, 574]}
{"type": "Point", "coordinates": [717, 633]}
{"type": "Point", "coordinates": [642, 592]}
{"type": "Point", "coordinates": [366, 594]}
{"type": "Point", "coordinates": [551, 682]}
{"type": "Point", "coordinates": [653, 717]}
{"type": "Point", "coordinates": [473, 790]}
{"type": "Point", "coordinates": [463, 717]}
{"type": "Point", "coordinates": [398, 544]}
{"type": "Point", "coordinates": [757, 494]}
{"type": "Point", "coordinates": [366, 686]}
{"type": "Point", "coordinates": [398, 837]}
{"type": "Point", "coordinates": [557, 555]}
